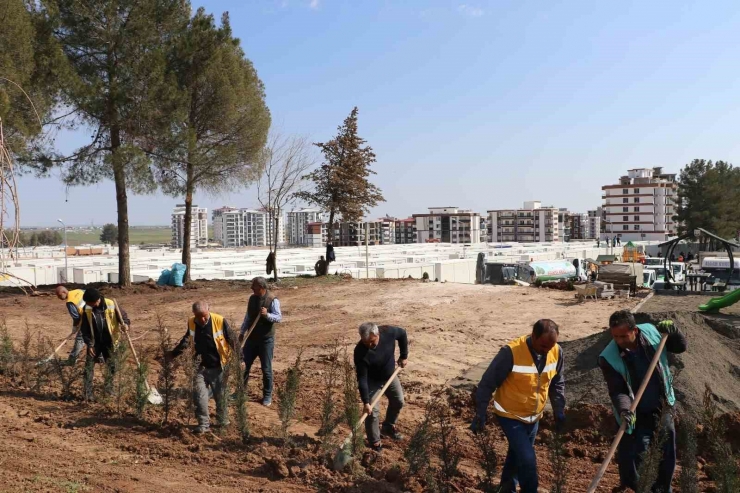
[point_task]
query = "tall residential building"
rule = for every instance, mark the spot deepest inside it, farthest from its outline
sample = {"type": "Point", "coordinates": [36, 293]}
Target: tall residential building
{"type": "Point", "coordinates": [353, 234]}
{"type": "Point", "coordinates": [641, 205]}
{"type": "Point", "coordinates": [533, 223]}
{"type": "Point", "coordinates": [593, 224]}
{"type": "Point", "coordinates": [578, 225]}
{"type": "Point", "coordinates": [234, 227]}
{"type": "Point", "coordinates": [448, 225]}
{"type": "Point", "coordinates": [564, 224]}
{"type": "Point", "coordinates": [296, 222]}
{"type": "Point", "coordinates": [405, 231]}
{"type": "Point", "coordinates": [228, 226]}
{"type": "Point", "coordinates": [198, 226]}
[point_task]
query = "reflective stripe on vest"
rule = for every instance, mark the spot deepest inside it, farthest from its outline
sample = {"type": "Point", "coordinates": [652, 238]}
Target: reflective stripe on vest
{"type": "Point", "coordinates": [75, 297]}
{"type": "Point", "coordinates": [222, 346]}
{"type": "Point", "coordinates": [523, 394]}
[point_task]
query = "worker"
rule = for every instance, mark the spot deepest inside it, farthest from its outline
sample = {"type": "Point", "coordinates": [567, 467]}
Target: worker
{"type": "Point", "coordinates": [321, 266]}
{"type": "Point", "coordinates": [265, 307]}
{"type": "Point", "coordinates": [624, 364]}
{"type": "Point", "coordinates": [213, 339]}
{"type": "Point", "coordinates": [101, 329]}
{"type": "Point", "coordinates": [375, 362]}
{"type": "Point", "coordinates": [523, 374]}
{"type": "Point", "coordinates": [75, 307]}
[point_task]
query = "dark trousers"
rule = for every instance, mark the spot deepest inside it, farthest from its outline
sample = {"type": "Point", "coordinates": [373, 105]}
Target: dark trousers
{"type": "Point", "coordinates": [395, 403]}
{"type": "Point", "coordinates": [633, 446]}
{"type": "Point", "coordinates": [89, 372]}
{"type": "Point", "coordinates": [264, 349]}
{"type": "Point", "coordinates": [521, 462]}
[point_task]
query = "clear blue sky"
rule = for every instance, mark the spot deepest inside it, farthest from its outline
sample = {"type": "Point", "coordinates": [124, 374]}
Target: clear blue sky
{"type": "Point", "coordinates": [479, 104]}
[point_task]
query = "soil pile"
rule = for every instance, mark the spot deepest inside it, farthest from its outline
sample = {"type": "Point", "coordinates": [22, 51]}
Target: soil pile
{"type": "Point", "coordinates": [712, 358]}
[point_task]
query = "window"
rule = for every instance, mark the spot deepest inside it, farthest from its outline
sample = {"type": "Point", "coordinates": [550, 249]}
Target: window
{"type": "Point", "coordinates": [625, 218]}
{"type": "Point", "coordinates": [625, 209]}
{"type": "Point", "coordinates": [637, 218]}
{"type": "Point", "coordinates": [636, 190]}
{"type": "Point", "coordinates": [625, 227]}
{"type": "Point", "coordinates": [637, 199]}
{"type": "Point", "coordinates": [625, 200]}
{"type": "Point", "coordinates": [637, 209]}
{"type": "Point", "coordinates": [637, 227]}
{"type": "Point", "coordinates": [625, 191]}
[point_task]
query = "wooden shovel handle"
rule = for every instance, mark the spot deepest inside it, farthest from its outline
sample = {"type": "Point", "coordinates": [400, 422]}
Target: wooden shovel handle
{"type": "Point", "coordinates": [254, 324]}
{"type": "Point", "coordinates": [128, 338]}
{"type": "Point", "coordinates": [633, 407]}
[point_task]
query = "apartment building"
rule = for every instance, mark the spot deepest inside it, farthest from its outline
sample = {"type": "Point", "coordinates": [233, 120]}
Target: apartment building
{"type": "Point", "coordinates": [234, 227]}
{"type": "Point", "coordinates": [564, 224]}
{"type": "Point", "coordinates": [228, 226]}
{"type": "Point", "coordinates": [405, 231]}
{"type": "Point", "coordinates": [316, 234]}
{"type": "Point", "coordinates": [578, 225]}
{"type": "Point", "coordinates": [448, 225]}
{"type": "Point", "coordinates": [641, 205]}
{"type": "Point", "coordinates": [379, 232]}
{"type": "Point", "coordinates": [198, 226]}
{"type": "Point", "coordinates": [532, 223]}
{"type": "Point", "coordinates": [296, 223]}
{"type": "Point", "coordinates": [593, 224]}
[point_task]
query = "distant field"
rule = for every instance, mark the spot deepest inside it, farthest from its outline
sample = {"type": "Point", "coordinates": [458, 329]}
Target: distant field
{"type": "Point", "coordinates": [137, 236]}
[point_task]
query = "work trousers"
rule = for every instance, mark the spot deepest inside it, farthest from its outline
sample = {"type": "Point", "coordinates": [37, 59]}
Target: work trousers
{"type": "Point", "coordinates": [520, 467]}
{"type": "Point", "coordinates": [208, 378]}
{"type": "Point", "coordinates": [89, 374]}
{"type": "Point", "coordinates": [395, 403]}
{"type": "Point", "coordinates": [77, 348]}
{"type": "Point", "coordinates": [262, 348]}
{"type": "Point", "coordinates": [633, 446]}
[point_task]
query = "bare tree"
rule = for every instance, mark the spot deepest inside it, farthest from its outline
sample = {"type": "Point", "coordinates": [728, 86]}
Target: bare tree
{"type": "Point", "coordinates": [285, 161]}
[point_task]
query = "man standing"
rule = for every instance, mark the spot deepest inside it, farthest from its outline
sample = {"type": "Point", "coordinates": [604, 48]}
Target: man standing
{"type": "Point", "coordinates": [264, 307]}
{"type": "Point", "coordinates": [523, 374]}
{"type": "Point", "coordinates": [375, 362]}
{"type": "Point", "coordinates": [624, 364]}
{"type": "Point", "coordinates": [75, 307]}
{"type": "Point", "coordinates": [101, 330]}
{"type": "Point", "coordinates": [213, 339]}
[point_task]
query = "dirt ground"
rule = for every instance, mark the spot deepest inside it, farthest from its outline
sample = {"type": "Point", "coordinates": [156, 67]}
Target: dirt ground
{"type": "Point", "coordinates": [52, 445]}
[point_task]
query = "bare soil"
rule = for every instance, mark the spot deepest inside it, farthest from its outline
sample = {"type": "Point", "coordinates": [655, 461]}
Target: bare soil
{"type": "Point", "coordinates": [53, 445]}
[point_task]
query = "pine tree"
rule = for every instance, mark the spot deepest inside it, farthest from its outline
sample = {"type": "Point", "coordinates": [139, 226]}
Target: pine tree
{"type": "Point", "coordinates": [221, 118]}
{"type": "Point", "coordinates": [341, 184]}
{"type": "Point", "coordinates": [118, 88]}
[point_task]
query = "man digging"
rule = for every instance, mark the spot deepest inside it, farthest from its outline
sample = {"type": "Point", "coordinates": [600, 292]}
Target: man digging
{"type": "Point", "coordinates": [523, 374]}
{"type": "Point", "coordinates": [624, 363]}
{"type": "Point", "coordinates": [213, 343]}
{"type": "Point", "coordinates": [375, 363]}
{"type": "Point", "coordinates": [75, 306]}
{"type": "Point", "coordinates": [264, 307]}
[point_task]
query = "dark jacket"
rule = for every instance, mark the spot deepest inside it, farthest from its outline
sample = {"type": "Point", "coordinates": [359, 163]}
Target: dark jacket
{"type": "Point", "coordinates": [205, 346]}
{"type": "Point", "coordinates": [99, 331]}
{"type": "Point", "coordinates": [619, 391]}
{"type": "Point", "coordinates": [265, 327]}
{"type": "Point", "coordinates": [330, 257]}
{"type": "Point", "coordinates": [377, 365]}
{"type": "Point", "coordinates": [499, 370]}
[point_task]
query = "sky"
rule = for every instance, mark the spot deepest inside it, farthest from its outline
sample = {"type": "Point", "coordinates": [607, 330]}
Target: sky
{"type": "Point", "coordinates": [475, 104]}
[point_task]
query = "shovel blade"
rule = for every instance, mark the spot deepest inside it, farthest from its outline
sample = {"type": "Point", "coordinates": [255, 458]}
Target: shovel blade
{"type": "Point", "coordinates": [154, 397]}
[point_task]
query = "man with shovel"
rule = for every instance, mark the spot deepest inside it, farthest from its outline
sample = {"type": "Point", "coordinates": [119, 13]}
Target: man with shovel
{"type": "Point", "coordinates": [101, 330]}
{"type": "Point", "coordinates": [213, 343]}
{"type": "Point", "coordinates": [263, 311]}
{"type": "Point", "coordinates": [375, 363]}
{"type": "Point", "coordinates": [624, 363]}
{"type": "Point", "coordinates": [523, 374]}
{"type": "Point", "coordinates": [75, 307]}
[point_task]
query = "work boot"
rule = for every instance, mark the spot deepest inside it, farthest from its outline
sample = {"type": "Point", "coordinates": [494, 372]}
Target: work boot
{"type": "Point", "coordinates": [376, 447]}
{"type": "Point", "coordinates": [267, 401]}
{"type": "Point", "coordinates": [200, 430]}
{"type": "Point", "coordinates": [389, 431]}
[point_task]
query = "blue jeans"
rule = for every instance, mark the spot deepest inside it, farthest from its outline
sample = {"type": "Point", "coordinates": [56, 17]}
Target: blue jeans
{"type": "Point", "coordinates": [264, 349]}
{"type": "Point", "coordinates": [521, 462]}
{"type": "Point", "coordinates": [632, 447]}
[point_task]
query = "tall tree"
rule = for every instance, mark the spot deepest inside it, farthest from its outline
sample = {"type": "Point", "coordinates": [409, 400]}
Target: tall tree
{"type": "Point", "coordinates": [109, 234]}
{"type": "Point", "coordinates": [341, 184]}
{"type": "Point", "coordinates": [708, 194]}
{"type": "Point", "coordinates": [116, 51]}
{"type": "Point", "coordinates": [222, 120]}
{"type": "Point", "coordinates": [285, 162]}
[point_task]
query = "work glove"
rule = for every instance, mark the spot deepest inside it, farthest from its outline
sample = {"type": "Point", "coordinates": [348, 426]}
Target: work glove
{"type": "Point", "coordinates": [630, 418]}
{"type": "Point", "coordinates": [560, 421]}
{"type": "Point", "coordinates": [478, 424]}
{"type": "Point", "coordinates": [667, 327]}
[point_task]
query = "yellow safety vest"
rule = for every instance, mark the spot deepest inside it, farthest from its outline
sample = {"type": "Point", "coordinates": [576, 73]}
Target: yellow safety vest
{"type": "Point", "coordinates": [523, 394]}
{"type": "Point", "coordinates": [217, 324]}
{"type": "Point", "coordinates": [75, 297]}
{"type": "Point", "coordinates": [114, 327]}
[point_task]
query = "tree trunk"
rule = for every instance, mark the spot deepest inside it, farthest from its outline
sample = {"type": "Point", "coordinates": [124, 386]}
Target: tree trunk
{"type": "Point", "coordinates": [274, 249]}
{"type": "Point", "coordinates": [189, 186]}
{"type": "Point", "coordinates": [330, 235]}
{"type": "Point", "coordinates": [119, 176]}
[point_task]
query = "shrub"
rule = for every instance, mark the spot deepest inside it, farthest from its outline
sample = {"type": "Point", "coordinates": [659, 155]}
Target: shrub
{"type": "Point", "coordinates": [351, 409]}
{"type": "Point", "coordinates": [116, 382]}
{"type": "Point", "coordinates": [66, 374]}
{"type": "Point", "coordinates": [168, 373]}
{"type": "Point", "coordinates": [419, 451]}
{"type": "Point", "coordinates": [486, 441]}
{"type": "Point", "coordinates": [688, 480]}
{"type": "Point", "coordinates": [448, 446]}
{"type": "Point", "coordinates": [141, 390]}
{"type": "Point", "coordinates": [288, 397]}
{"type": "Point", "coordinates": [330, 418]}
{"type": "Point", "coordinates": [240, 393]}
{"type": "Point", "coordinates": [651, 458]}
{"type": "Point", "coordinates": [724, 471]}
{"type": "Point", "coordinates": [558, 462]}
{"type": "Point", "coordinates": [7, 352]}
{"type": "Point", "coordinates": [25, 357]}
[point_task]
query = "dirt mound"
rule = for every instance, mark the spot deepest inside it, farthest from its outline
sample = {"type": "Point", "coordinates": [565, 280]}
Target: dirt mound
{"type": "Point", "coordinates": [712, 358]}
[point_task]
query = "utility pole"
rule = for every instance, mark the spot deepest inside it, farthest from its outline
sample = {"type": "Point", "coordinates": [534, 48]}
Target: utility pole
{"type": "Point", "coordinates": [66, 271]}
{"type": "Point", "coordinates": [367, 254]}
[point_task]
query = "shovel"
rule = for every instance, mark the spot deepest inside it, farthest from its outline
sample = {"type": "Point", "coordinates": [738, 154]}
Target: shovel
{"type": "Point", "coordinates": [246, 336]}
{"type": "Point", "coordinates": [154, 397]}
{"type": "Point", "coordinates": [623, 427]}
{"type": "Point", "coordinates": [60, 346]}
{"type": "Point", "coordinates": [343, 456]}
